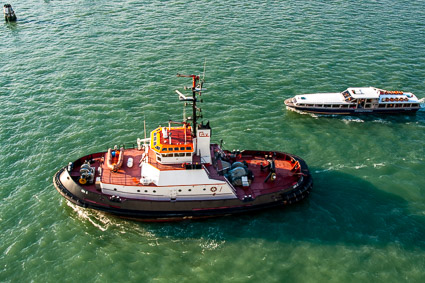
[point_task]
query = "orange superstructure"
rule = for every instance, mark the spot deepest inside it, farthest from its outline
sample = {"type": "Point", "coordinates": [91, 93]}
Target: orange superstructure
{"type": "Point", "coordinates": [172, 139]}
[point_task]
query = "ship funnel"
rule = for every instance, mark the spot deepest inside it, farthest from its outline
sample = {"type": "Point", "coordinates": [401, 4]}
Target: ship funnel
{"type": "Point", "coordinates": [203, 136]}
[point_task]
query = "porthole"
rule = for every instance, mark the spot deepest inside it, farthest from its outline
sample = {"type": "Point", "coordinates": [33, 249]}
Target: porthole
{"type": "Point", "coordinates": [154, 191]}
{"type": "Point", "coordinates": [180, 191]}
{"type": "Point", "coordinates": [138, 191]}
{"type": "Point", "coordinates": [115, 189]}
{"type": "Point", "coordinates": [190, 190]}
{"type": "Point", "coordinates": [146, 191]}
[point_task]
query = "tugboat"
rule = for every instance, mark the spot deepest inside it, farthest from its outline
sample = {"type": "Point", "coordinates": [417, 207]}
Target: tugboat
{"type": "Point", "coordinates": [356, 100]}
{"type": "Point", "coordinates": [177, 174]}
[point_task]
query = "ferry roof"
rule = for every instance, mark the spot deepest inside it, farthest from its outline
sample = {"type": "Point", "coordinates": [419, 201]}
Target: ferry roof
{"type": "Point", "coordinates": [172, 139]}
{"type": "Point", "coordinates": [320, 98]}
{"type": "Point", "coordinates": [363, 92]}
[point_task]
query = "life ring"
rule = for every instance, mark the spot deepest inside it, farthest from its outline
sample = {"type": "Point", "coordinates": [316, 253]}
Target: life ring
{"type": "Point", "coordinates": [82, 181]}
{"type": "Point", "coordinates": [213, 189]}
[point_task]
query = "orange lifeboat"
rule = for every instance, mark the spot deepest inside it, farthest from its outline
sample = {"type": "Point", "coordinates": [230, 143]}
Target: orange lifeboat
{"type": "Point", "coordinates": [114, 159]}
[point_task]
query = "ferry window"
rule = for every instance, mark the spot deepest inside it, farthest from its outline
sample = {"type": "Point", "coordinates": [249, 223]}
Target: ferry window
{"type": "Point", "coordinates": [164, 149]}
{"type": "Point", "coordinates": [168, 155]}
{"type": "Point", "coordinates": [157, 147]}
{"type": "Point", "coordinates": [158, 158]}
{"type": "Point", "coordinates": [188, 154]}
{"type": "Point", "coordinates": [170, 149]}
{"type": "Point", "coordinates": [415, 105]}
{"type": "Point", "coordinates": [182, 148]}
{"type": "Point", "coordinates": [176, 148]}
{"type": "Point", "coordinates": [188, 148]}
{"type": "Point", "coordinates": [180, 154]}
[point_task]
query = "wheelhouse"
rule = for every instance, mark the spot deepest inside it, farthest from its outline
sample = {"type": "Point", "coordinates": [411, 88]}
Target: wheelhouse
{"type": "Point", "coordinates": [172, 144]}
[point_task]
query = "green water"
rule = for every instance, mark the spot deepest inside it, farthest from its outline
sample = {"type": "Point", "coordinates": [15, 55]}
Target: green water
{"type": "Point", "coordinates": [80, 76]}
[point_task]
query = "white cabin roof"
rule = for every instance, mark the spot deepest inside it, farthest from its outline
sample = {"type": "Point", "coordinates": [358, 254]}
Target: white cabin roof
{"type": "Point", "coordinates": [320, 98]}
{"type": "Point", "coordinates": [363, 92]}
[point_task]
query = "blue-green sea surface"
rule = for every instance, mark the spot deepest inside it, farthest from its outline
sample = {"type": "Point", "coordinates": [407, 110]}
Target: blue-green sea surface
{"type": "Point", "coordinates": [80, 76]}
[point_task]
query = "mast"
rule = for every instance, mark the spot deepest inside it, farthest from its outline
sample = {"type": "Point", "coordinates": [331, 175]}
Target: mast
{"type": "Point", "coordinates": [196, 89]}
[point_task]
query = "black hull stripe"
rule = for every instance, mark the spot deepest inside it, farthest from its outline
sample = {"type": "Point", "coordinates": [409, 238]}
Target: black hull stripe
{"type": "Point", "coordinates": [291, 197]}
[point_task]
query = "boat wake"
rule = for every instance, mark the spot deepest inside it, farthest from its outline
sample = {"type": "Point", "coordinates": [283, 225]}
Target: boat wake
{"type": "Point", "coordinates": [97, 219]}
{"type": "Point", "coordinates": [338, 167]}
{"type": "Point", "coordinates": [302, 112]}
{"type": "Point", "coordinates": [349, 119]}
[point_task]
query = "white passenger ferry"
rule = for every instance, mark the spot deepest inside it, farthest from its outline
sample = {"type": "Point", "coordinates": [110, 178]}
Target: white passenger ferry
{"type": "Point", "coordinates": [356, 100]}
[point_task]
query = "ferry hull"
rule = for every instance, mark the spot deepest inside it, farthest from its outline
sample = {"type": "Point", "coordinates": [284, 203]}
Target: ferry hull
{"type": "Point", "coordinates": [350, 111]}
{"type": "Point", "coordinates": [163, 211]}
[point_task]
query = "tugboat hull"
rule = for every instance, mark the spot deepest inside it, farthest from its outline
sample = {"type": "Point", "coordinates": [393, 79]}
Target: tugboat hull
{"type": "Point", "coordinates": [164, 211]}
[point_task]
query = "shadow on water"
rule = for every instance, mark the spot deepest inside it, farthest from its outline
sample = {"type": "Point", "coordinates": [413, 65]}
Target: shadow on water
{"type": "Point", "coordinates": [342, 209]}
{"type": "Point", "coordinates": [13, 26]}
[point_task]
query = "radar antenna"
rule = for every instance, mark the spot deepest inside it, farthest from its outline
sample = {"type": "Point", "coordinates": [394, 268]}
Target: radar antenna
{"type": "Point", "coordinates": [196, 88]}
